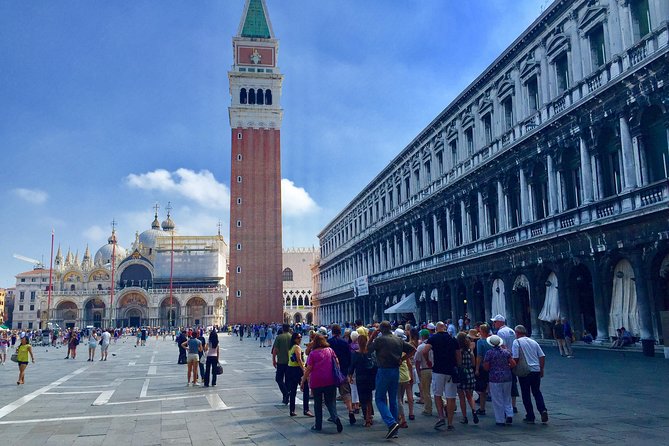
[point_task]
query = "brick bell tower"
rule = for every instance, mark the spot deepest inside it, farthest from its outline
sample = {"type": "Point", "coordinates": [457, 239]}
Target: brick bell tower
{"type": "Point", "coordinates": [255, 292]}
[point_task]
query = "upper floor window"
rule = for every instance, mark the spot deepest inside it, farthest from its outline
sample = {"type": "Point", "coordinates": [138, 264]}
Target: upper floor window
{"type": "Point", "coordinates": [260, 97]}
{"type": "Point", "coordinates": [597, 47]}
{"type": "Point", "coordinates": [454, 151]}
{"type": "Point", "coordinates": [507, 106]}
{"type": "Point", "coordinates": [268, 96]}
{"type": "Point", "coordinates": [428, 171]}
{"type": "Point", "coordinates": [243, 96]}
{"type": "Point", "coordinates": [562, 72]}
{"type": "Point", "coordinates": [469, 140]}
{"type": "Point", "coordinates": [640, 18]}
{"type": "Point", "coordinates": [532, 86]}
{"type": "Point", "coordinates": [487, 128]}
{"type": "Point", "coordinates": [287, 275]}
{"type": "Point", "coordinates": [252, 96]}
{"type": "Point", "coordinates": [440, 163]}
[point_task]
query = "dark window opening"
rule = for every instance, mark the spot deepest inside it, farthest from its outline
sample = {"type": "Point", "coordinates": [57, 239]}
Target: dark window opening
{"type": "Point", "coordinates": [243, 96]}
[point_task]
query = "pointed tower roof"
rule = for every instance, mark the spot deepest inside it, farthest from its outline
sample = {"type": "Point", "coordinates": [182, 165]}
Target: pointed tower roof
{"type": "Point", "coordinates": [59, 254]}
{"type": "Point", "coordinates": [87, 253]}
{"type": "Point", "coordinates": [255, 21]}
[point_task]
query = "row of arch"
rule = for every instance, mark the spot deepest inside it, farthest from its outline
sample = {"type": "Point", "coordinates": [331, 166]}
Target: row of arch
{"type": "Point", "coordinates": [298, 318]}
{"type": "Point", "coordinates": [253, 96]}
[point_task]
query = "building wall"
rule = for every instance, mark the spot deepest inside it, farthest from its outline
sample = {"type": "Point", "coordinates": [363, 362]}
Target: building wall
{"type": "Point", "coordinates": [539, 167]}
{"type": "Point", "coordinates": [297, 284]}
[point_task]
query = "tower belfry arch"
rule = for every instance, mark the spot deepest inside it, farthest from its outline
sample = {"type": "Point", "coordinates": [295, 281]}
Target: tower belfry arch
{"type": "Point", "coordinates": [255, 292]}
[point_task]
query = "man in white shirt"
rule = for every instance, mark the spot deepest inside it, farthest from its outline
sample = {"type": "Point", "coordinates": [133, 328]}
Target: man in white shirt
{"type": "Point", "coordinates": [104, 346]}
{"type": "Point", "coordinates": [535, 359]}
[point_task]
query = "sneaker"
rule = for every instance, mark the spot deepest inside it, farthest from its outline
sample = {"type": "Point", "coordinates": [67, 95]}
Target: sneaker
{"type": "Point", "coordinates": [464, 421]}
{"type": "Point", "coordinates": [351, 418]}
{"type": "Point", "coordinates": [480, 412]}
{"type": "Point", "coordinates": [340, 427]}
{"type": "Point", "coordinates": [392, 430]}
{"type": "Point", "coordinates": [450, 428]}
{"type": "Point", "coordinates": [475, 417]}
{"type": "Point", "coordinates": [544, 416]}
{"type": "Point", "coordinates": [528, 420]}
{"type": "Point", "coordinates": [315, 429]}
{"type": "Point", "coordinates": [509, 420]}
{"type": "Point", "coordinates": [440, 423]}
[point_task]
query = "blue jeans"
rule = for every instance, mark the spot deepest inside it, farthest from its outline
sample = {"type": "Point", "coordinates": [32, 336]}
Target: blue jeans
{"type": "Point", "coordinates": [387, 382]}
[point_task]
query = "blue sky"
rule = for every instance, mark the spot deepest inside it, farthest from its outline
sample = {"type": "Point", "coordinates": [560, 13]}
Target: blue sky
{"type": "Point", "coordinates": [109, 107]}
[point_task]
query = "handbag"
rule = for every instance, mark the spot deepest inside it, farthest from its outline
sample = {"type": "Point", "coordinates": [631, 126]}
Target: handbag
{"type": "Point", "coordinates": [522, 369]}
{"type": "Point", "coordinates": [336, 372]}
{"type": "Point", "coordinates": [14, 357]}
{"type": "Point", "coordinates": [203, 359]}
{"type": "Point", "coordinates": [219, 368]}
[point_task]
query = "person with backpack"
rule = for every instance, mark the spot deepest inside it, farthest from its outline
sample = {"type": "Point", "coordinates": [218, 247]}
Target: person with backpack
{"type": "Point", "coordinates": [362, 373]}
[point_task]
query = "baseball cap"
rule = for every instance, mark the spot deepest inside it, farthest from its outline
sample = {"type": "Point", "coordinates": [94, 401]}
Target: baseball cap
{"type": "Point", "coordinates": [431, 326]}
{"type": "Point", "coordinates": [498, 318]}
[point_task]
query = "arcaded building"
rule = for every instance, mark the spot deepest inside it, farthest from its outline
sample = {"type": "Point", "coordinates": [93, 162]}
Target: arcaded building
{"type": "Point", "coordinates": [540, 192]}
{"type": "Point", "coordinates": [297, 284]}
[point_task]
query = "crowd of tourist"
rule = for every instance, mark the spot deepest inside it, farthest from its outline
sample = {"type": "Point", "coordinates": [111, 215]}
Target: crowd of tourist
{"type": "Point", "coordinates": [384, 362]}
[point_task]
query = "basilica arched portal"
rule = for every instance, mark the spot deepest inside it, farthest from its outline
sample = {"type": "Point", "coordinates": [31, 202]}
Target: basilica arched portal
{"type": "Point", "coordinates": [132, 310]}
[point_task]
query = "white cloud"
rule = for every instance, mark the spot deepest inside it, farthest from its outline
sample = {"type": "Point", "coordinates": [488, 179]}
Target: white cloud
{"type": "Point", "coordinates": [34, 196]}
{"type": "Point", "coordinates": [96, 234]}
{"type": "Point", "coordinates": [200, 187]}
{"type": "Point", "coordinates": [295, 201]}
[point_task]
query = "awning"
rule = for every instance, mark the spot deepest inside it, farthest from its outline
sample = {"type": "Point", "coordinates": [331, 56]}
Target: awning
{"type": "Point", "coordinates": [407, 305]}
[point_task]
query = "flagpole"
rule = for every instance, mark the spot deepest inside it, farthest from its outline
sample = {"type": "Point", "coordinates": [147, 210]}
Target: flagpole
{"type": "Point", "coordinates": [113, 262]}
{"type": "Point", "coordinates": [48, 301]}
{"type": "Point", "coordinates": [171, 275]}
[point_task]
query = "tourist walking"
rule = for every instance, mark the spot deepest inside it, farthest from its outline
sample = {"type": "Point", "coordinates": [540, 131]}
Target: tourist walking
{"type": "Point", "coordinates": [193, 346]}
{"type": "Point", "coordinates": [92, 345]}
{"type": "Point", "coordinates": [213, 352]}
{"type": "Point", "coordinates": [467, 379]}
{"type": "Point", "coordinates": [4, 344]}
{"type": "Point", "coordinates": [424, 371]}
{"type": "Point", "coordinates": [23, 351]}
{"type": "Point", "coordinates": [181, 338]}
{"type": "Point", "coordinates": [319, 372]}
{"type": "Point", "coordinates": [498, 362]}
{"type": "Point", "coordinates": [388, 349]}
{"type": "Point", "coordinates": [294, 373]}
{"type": "Point", "coordinates": [482, 376]}
{"type": "Point", "coordinates": [532, 353]}
{"type": "Point", "coordinates": [104, 345]}
{"type": "Point", "coordinates": [508, 335]}
{"type": "Point", "coordinates": [343, 352]}
{"type": "Point", "coordinates": [362, 372]}
{"type": "Point", "coordinates": [447, 359]}
{"type": "Point", "coordinates": [280, 360]}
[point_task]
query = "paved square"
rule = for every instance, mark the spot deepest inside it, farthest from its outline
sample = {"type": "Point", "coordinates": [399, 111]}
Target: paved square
{"type": "Point", "coordinates": [139, 397]}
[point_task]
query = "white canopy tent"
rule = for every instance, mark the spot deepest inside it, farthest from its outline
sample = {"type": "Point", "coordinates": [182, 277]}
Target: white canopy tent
{"type": "Point", "coordinates": [406, 305]}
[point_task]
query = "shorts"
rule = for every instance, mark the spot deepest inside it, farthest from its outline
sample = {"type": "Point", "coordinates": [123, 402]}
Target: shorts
{"type": "Point", "coordinates": [443, 386]}
{"type": "Point", "coordinates": [345, 389]}
{"type": "Point", "coordinates": [482, 381]}
{"type": "Point", "coordinates": [3, 350]}
{"type": "Point", "coordinates": [193, 357]}
{"type": "Point", "coordinates": [23, 363]}
{"type": "Point", "coordinates": [104, 347]}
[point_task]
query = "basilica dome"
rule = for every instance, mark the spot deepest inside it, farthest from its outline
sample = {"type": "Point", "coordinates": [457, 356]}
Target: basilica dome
{"type": "Point", "coordinates": [148, 237]}
{"type": "Point", "coordinates": [104, 254]}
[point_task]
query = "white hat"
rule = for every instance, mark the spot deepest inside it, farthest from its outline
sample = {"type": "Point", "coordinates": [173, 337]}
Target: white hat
{"type": "Point", "coordinates": [354, 336]}
{"type": "Point", "coordinates": [323, 331]}
{"type": "Point", "coordinates": [498, 318]}
{"type": "Point", "coordinates": [400, 333]}
{"type": "Point", "coordinates": [431, 326]}
{"type": "Point", "coordinates": [495, 340]}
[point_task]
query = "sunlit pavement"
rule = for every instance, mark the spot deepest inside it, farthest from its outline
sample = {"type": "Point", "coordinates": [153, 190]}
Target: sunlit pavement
{"type": "Point", "coordinates": [139, 396]}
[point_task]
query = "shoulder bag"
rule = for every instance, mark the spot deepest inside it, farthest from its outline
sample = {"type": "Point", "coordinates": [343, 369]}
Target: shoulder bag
{"type": "Point", "coordinates": [336, 372]}
{"type": "Point", "coordinates": [522, 369]}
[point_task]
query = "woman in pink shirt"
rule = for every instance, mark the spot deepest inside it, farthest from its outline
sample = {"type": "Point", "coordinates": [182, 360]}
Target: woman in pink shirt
{"type": "Point", "coordinates": [322, 381]}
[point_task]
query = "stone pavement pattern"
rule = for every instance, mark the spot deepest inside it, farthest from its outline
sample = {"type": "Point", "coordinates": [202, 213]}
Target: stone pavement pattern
{"type": "Point", "coordinates": [139, 397]}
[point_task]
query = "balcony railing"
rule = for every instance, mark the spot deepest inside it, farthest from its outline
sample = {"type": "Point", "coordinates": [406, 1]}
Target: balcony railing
{"type": "Point", "coordinates": [596, 213]}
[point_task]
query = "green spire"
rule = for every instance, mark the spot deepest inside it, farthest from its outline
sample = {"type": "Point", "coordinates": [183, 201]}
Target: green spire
{"type": "Point", "coordinates": [255, 23]}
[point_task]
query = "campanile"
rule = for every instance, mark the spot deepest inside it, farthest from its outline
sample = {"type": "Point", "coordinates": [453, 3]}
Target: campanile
{"type": "Point", "coordinates": [255, 291]}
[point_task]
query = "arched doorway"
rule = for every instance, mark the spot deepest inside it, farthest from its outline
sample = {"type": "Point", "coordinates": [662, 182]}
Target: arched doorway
{"type": "Point", "coordinates": [583, 301]}
{"type": "Point", "coordinates": [132, 310]}
{"type": "Point", "coordinates": [196, 309]}
{"type": "Point", "coordinates": [310, 318]}
{"type": "Point", "coordinates": [94, 312]}
{"type": "Point", "coordinates": [170, 312]}
{"type": "Point", "coordinates": [477, 312]}
{"type": "Point", "coordinates": [297, 318]}
{"type": "Point", "coordinates": [67, 313]}
{"type": "Point", "coordinates": [521, 302]}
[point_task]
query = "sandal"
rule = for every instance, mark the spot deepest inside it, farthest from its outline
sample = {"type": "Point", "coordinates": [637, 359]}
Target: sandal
{"type": "Point", "coordinates": [308, 414]}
